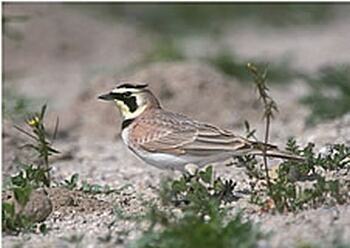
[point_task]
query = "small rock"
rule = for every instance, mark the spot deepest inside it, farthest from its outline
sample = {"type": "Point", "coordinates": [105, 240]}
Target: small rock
{"type": "Point", "coordinates": [38, 207]}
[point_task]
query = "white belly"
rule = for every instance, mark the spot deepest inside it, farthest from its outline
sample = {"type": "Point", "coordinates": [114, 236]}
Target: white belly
{"type": "Point", "coordinates": [162, 160]}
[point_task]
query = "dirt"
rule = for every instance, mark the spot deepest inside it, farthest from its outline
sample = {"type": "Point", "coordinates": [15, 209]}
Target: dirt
{"type": "Point", "coordinates": [67, 58]}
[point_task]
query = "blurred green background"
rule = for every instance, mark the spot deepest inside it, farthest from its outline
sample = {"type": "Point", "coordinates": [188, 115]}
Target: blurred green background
{"type": "Point", "coordinates": [298, 41]}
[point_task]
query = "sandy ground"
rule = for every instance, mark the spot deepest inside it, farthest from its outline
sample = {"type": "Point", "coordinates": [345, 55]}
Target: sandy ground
{"type": "Point", "coordinates": [67, 59]}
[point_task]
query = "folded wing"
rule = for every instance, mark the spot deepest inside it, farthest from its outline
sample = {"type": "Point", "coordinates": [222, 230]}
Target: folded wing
{"type": "Point", "coordinates": [177, 134]}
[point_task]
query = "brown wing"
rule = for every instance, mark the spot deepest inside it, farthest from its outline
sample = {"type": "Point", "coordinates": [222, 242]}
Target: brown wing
{"type": "Point", "coordinates": [162, 132]}
{"type": "Point", "coordinates": [211, 139]}
{"type": "Point", "coordinates": [177, 134]}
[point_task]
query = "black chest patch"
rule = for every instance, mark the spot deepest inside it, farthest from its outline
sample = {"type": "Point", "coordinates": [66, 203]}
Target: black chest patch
{"type": "Point", "coordinates": [127, 123]}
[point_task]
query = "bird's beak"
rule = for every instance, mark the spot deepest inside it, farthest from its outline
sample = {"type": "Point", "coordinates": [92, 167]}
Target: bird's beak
{"type": "Point", "coordinates": [107, 97]}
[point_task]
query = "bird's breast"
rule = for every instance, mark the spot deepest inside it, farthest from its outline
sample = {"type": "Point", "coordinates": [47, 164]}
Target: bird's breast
{"type": "Point", "coordinates": [125, 135]}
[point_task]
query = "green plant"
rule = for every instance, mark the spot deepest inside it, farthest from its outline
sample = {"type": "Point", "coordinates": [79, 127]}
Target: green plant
{"type": "Point", "coordinates": [41, 144]}
{"type": "Point", "coordinates": [13, 222]}
{"type": "Point", "coordinates": [97, 188]}
{"type": "Point", "coordinates": [192, 230]}
{"type": "Point", "coordinates": [199, 192]}
{"type": "Point", "coordinates": [287, 193]}
{"type": "Point", "coordinates": [29, 178]}
{"type": "Point", "coordinates": [283, 193]}
{"type": "Point", "coordinates": [192, 214]}
{"type": "Point", "coordinates": [330, 95]}
{"type": "Point", "coordinates": [72, 182]}
{"type": "Point", "coordinates": [22, 185]}
{"type": "Point", "coordinates": [270, 106]}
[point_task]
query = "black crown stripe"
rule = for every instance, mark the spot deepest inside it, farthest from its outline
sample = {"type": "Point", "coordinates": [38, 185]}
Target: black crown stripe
{"type": "Point", "coordinates": [131, 86]}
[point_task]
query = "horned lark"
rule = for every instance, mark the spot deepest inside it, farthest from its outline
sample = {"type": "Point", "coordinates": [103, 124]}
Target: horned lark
{"type": "Point", "coordinates": [171, 140]}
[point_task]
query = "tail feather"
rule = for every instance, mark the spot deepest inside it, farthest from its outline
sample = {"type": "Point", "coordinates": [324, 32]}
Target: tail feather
{"type": "Point", "coordinates": [274, 152]}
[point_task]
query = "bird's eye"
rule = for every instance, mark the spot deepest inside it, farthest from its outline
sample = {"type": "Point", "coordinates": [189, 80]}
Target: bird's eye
{"type": "Point", "coordinates": [127, 94]}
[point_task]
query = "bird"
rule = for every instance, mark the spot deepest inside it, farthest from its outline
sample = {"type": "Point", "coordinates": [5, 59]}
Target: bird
{"type": "Point", "coordinates": [169, 140]}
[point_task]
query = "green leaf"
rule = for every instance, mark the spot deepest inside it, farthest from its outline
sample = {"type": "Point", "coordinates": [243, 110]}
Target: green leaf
{"type": "Point", "coordinates": [19, 180]}
{"type": "Point", "coordinates": [74, 179]}
{"type": "Point", "coordinates": [42, 113]}
{"type": "Point", "coordinates": [43, 229]}
{"type": "Point", "coordinates": [179, 185]}
{"type": "Point", "coordinates": [52, 150]}
{"type": "Point", "coordinates": [22, 194]}
{"type": "Point", "coordinates": [8, 209]}
{"type": "Point", "coordinates": [207, 175]}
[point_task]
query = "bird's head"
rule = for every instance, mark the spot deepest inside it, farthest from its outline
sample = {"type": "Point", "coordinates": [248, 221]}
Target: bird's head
{"type": "Point", "coordinates": [131, 99]}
